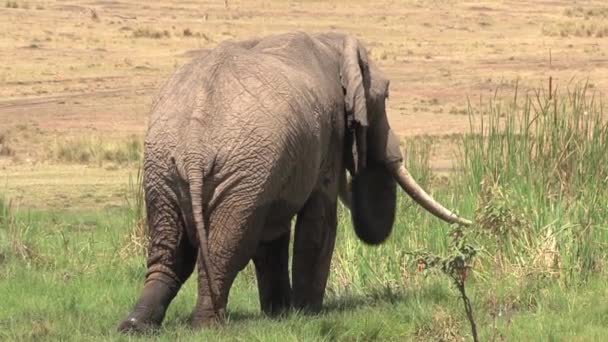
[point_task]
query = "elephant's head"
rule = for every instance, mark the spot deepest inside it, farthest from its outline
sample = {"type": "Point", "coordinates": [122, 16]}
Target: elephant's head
{"type": "Point", "coordinates": [372, 153]}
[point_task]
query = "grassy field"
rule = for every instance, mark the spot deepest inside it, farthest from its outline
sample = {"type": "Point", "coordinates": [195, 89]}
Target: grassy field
{"type": "Point", "coordinates": [469, 96]}
{"type": "Point", "coordinates": [533, 180]}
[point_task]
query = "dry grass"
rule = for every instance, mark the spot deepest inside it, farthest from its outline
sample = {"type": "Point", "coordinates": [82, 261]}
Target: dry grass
{"type": "Point", "coordinates": [594, 28]}
{"type": "Point", "coordinates": [63, 186]}
{"type": "Point", "coordinates": [586, 13]}
{"type": "Point", "coordinates": [585, 21]}
{"type": "Point", "coordinates": [151, 33]}
{"type": "Point", "coordinates": [97, 150]}
{"type": "Point", "coordinates": [136, 241]}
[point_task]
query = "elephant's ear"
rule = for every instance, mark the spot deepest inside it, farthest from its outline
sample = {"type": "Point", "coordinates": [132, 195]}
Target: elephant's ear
{"type": "Point", "coordinates": [354, 75]}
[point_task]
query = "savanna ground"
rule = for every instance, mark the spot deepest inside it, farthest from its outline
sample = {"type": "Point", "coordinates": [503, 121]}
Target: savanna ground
{"type": "Point", "coordinates": [76, 82]}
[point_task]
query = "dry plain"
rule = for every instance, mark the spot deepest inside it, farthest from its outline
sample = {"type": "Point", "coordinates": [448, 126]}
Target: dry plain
{"type": "Point", "coordinates": [82, 69]}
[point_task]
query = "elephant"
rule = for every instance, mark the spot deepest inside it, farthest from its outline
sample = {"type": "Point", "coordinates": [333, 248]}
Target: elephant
{"type": "Point", "coordinates": [244, 138]}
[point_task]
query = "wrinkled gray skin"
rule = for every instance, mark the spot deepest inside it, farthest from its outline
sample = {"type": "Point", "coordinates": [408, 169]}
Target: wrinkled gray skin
{"type": "Point", "coordinates": [244, 138]}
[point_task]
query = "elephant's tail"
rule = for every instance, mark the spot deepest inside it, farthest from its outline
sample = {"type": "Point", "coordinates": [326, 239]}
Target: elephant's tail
{"type": "Point", "coordinates": [195, 179]}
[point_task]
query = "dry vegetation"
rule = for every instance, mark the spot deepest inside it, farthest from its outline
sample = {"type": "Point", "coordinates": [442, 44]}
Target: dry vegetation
{"type": "Point", "coordinates": [75, 73]}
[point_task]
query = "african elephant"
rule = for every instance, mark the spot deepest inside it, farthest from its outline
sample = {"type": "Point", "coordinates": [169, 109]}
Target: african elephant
{"type": "Point", "coordinates": [248, 136]}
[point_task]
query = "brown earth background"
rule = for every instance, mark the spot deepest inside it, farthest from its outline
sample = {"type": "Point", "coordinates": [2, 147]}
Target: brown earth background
{"type": "Point", "coordinates": [89, 69]}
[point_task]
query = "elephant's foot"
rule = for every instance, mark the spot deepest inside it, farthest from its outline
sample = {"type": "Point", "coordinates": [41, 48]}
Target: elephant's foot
{"type": "Point", "coordinates": [307, 302]}
{"type": "Point", "coordinates": [278, 305]}
{"type": "Point", "coordinates": [204, 316]}
{"type": "Point", "coordinates": [277, 311]}
{"type": "Point", "coordinates": [149, 311]}
{"type": "Point", "coordinates": [205, 319]}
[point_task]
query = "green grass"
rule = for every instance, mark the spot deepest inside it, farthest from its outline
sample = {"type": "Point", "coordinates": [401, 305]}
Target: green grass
{"type": "Point", "coordinates": [534, 180]}
{"type": "Point", "coordinates": [541, 179]}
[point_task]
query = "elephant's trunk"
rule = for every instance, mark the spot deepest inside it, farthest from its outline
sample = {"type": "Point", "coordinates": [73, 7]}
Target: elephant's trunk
{"type": "Point", "coordinates": [415, 191]}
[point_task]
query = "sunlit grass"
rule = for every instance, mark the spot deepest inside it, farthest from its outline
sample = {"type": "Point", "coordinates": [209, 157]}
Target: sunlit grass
{"type": "Point", "coordinates": [533, 179]}
{"type": "Point", "coordinates": [539, 171]}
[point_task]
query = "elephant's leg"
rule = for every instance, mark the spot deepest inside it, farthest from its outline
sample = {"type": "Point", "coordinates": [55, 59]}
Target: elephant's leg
{"type": "Point", "coordinates": [272, 270]}
{"type": "Point", "coordinates": [232, 241]}
{"type": "Point", "coordinates": [315, 235]}
{"type": "Point", "coordinates": [171, 259]}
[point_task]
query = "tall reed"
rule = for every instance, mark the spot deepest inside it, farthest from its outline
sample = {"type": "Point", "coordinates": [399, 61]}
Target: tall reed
{"type": "Point", "coordinates": [539, 168]}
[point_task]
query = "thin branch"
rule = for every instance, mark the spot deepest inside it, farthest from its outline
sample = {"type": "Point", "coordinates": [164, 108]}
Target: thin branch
{"type": "Point", "coordinates": [468, 308]}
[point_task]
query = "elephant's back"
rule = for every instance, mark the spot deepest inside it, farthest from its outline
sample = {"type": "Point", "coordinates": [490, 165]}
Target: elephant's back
{"type": "Point", "coordinates": [265, 112]}
{"type": "Point", "coordinates": [266, 128]}
{"type": "Point", "coordinates": [278, 82]}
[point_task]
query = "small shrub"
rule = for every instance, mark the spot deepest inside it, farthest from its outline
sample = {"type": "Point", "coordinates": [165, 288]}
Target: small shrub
{"type": "Point", "coordinates": [497, 215]}
{"type": "Point", "coordinates": [191, 34]}
{"type": "Point", "coordinates": [458, 267]}
{"type": "Point", "coordinates": [12, 4]}
{"type": "Point", "coordinates": [5, 149]}
{"type": "Point", "coordinates": [150, 33]}
{"type": "Point", "coordinates": [94, 15]}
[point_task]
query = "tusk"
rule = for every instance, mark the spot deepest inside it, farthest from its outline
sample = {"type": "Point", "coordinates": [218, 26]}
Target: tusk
{"type": "Point", "coordinates": [345, 189]}
{"type": "Point", "coordinates": [409, 185]}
